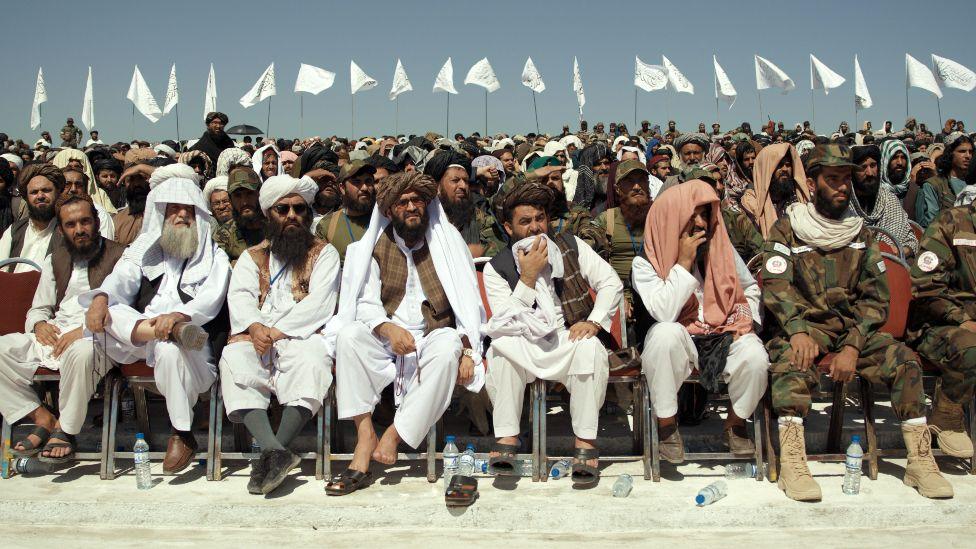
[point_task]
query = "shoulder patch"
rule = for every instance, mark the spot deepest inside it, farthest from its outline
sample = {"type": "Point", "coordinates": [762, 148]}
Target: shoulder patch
{"type": "Point", "coordinates": [928, 261]}
{"type": "Point", "coordinates": [882, 267]}
{"type": "Point", "coordinates": [963, 242]}
{"type": "Point", "coordinates": [781, 248]}
{"type": "Point", "coordinates": [802, 249]}
{"type": "Point", "coordinates": [776, 265]}
{"type": "Point", "coordinates": [857, 245]}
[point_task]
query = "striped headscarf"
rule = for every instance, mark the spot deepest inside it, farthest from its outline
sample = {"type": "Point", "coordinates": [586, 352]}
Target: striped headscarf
{"type": "Point", "coordinates": [888, 150]}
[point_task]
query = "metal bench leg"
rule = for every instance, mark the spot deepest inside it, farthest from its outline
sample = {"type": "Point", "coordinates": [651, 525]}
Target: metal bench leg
{"type": "Point", "coordinates": [836, 430]}
{"type": "Point", "coordinates": [867, 403]}
{"type": "Point", "coordinates": [142, 409]}
{"type": "Point", "coordinates": [432, 454]}
{"type": "Point", "coordinates": [218, 442]}
{"type": "Point", "coordinates": [769, 426]}
{"type": "Point", "coordinates": [757, 430]}
{"type": "Point", "coordinates": [320, 443]}
{"type": "Point", "coordinates": [113, 425]}
{"type": "Point", "coordinates": [328, 412]}
{"type": "Point", "coordinates": [972, 432]}
{"type": "Point", "coordinates": [212, 429]}
{"type": "Point", "coordinates": [655, 443]}
{"type": "Point", "coordinates": [6, 432]}
{"type": "Point", "coordinates": [637, 430]}
{"type": "Point", "coordinates": [543, 454]}
{"type": "Point", "coordinates": [648, 429]}
{"type": "Point", "coordinates": [108, 382]}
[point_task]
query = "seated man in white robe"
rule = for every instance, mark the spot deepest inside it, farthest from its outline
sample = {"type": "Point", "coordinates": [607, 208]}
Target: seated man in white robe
{"type": "Point", "coordinates": [544, 326]}
{"type": "Point", "coordinates": [54, 338]}
{"type": "Point", "coordinates": [282, 292]}
{"type": "Point", "coordinates": [34, 236]}
{"type": "Point", "coordinates": [169, 284]}
{"type": "Point", "coordinates": [705, 302]}
{"type": "Point", "coordinates": [409, 314]}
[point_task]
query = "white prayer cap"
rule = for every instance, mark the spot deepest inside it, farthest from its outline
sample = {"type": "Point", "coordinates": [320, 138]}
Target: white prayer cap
{"type": "Point", "coordinates": [218, 183]}
{"type": "Point", "coordinates": [173, 170]}
{"type": "Point", "coordinates": [165, 149]}
{"type": "Point", "coordinates": [13, 159]}
{"type": "Point", "coordinates": [279, 186]}
{"type": "Point", "coordinates": [571, 139]}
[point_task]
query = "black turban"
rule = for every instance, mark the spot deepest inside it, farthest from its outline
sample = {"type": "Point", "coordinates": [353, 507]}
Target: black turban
{"type": "Point", "coordinates": [315, 155]}
{"type": "Point", "coordinates": [107, 164]}
{"type": "Point", "coordinates": [212, 115]}
{"type": "Point", "coordinates": [862, 152]}
{"type": "Point", "coordinates": [437, 166]}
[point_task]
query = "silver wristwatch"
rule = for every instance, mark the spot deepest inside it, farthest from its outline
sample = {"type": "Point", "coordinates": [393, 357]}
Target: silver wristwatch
{"type": "Point", "coordinates": [468, 353]}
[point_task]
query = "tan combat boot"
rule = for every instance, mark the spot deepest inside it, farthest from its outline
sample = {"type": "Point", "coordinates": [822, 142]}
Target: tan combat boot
{"type": "Point", "coordinates": [922, 472]}
{"type": "Point", "coordinates": [794, 475]}
{"type": "Point", "coordinates": [949, 419]}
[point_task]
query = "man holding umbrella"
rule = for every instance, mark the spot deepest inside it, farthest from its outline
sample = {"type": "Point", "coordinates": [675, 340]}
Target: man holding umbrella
{"type": "Point", "coordinates": [214, 140]}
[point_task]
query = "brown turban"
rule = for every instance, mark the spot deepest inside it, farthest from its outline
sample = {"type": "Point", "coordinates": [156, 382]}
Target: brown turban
{"type": "Point", "coordinates": [48, 171]}
{"type": "Point", "coordinates": [134, 156]}
{"type": "Point", "coordinates": [528, 193]}
{"type": "Point", "coordinates": [394, 186]}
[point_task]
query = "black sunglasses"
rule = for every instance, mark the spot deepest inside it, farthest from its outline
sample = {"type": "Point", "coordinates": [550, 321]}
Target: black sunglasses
{"type": "Point", "coordinates": [282, 209]}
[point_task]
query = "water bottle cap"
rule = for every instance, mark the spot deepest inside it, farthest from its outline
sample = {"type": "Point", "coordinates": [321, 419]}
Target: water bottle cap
{"type": "Point", "coordinates": [856, 438]}
{"type": "Point", "coordinates": [470, 446]}
{"type": "Point", "coordinates": [140, 436]}
{"type": "Point", "coordinates": [449, 438]}
{"type": "Point", "coordinates": [699, 499]}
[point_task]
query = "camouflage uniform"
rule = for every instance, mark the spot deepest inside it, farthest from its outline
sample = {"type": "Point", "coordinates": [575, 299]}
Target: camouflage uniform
{"type": "Point", "coordinates": [934, 195]}
{"type": "Point", "coordinates": [838, 298]}
{"type": "Point", "coordinates": [70, 135]}
{"type": "Point", "coordinates": [944, 287]}
{"type": "Point", "coordinates": [233, 241]}
{"type": "Point", "coordinates": [341, 230]}
{"type": "Point", "coordinates": [743, 233]}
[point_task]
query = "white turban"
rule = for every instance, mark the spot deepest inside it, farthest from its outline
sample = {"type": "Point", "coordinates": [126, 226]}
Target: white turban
{"type": "Point", "coordinates": [231, 157]}
{"type": "Point", "coordinates": [165, 149]}
{"type": "Point", "coordinates": [571, 139]}
{"type": "Point", "coordinates": [181, 171]}
{"type": "Point", "coordinates": [13, 159]}
{"type": "Point", "coordinates": [218, 183]}
{"type": "Point", "coordinates": [279, 186]}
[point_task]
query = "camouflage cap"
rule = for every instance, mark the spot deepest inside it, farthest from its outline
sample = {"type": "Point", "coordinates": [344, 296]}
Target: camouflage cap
{"type": "Point", "coordinates": [696, 172]}
{"type": "Point", "coordinates": [627, 166]}
{"type": "Point", "coordinates": [833, 154]}
{"type": "Point", "coordinates": [354, 167]}
{"type": "Point", "coordinates": [243, 178]}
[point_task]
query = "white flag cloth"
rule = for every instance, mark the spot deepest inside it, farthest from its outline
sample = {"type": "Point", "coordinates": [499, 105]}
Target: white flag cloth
{"type": "Point", "coordinates": [724, 89]}
{"type": "Point", "coordinates": [40, 96]}
{"type": "Point", "coordinates": [822, 78]}
{"type": "Point", "coordinates": [481, 74]}
{"type": "Point", "coordinates": [400, 81]}
{"type": "Point", "coordinates": [142, 98]}
{"type": "Point", "coordinates": [88, 104]}
{"type": "Point", "coordinates": [262, 89]}
{"type": "Point", "coordinates": [952, 74]}
{"type": "Point", "coordinates": [531, 78]}
{"type": "Point", "coordinates": [769, 75]}
{"type": "Point", "coordinates": [313, 80]}
{"type": "Point", "coordinates": [578, 87]}
{"type": "Point", "coordinates": [676, 80]}
{"type": "Point", "coordinates": [445, 78]}
{"type": "Point", "coordinates": [210, 98]}
{"type": "Point", "coordinates": [359, 80]}
{"type": "Point", "coordinates": [649, 77]}
{"type": "Point", "coordinates": [862, 97]}
{"type": "Point", "coordinates": [919, 76]}
{"type": "Point", "coordinates": [172, 92]}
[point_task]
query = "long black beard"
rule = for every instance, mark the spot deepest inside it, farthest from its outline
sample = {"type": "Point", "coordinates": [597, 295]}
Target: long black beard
{"type": "Point", "coordinates": [411, 234]}
{"type": "Point", "coordinates": [87, 253]}
{"type": "Point", "coordinates": [291, 247]}
{"type": "Point", "coordinates": [867, 192]}
{"type": "Point", "coordinates": [136, 198]}
{"type": "Point", "coordinates": [43, 213]}
{"type": "Point", "coordinates": [245, 224]}
{"type": "Point", "coordinates": [781, 191]}
{"type": "Point", "coordinates": [459, 212]}
{"type": "Point", "coordinates": [324, 204]}
{"type": "Point", "coordinates": [353, 206]}
{"type": "Point", "coordinates": [116, 196]}
{"type": "Point", "coordinates": [559, 205]}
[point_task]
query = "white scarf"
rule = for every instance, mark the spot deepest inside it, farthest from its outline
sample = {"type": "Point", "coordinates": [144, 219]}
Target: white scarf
{"type": "Point", "coordinates": [822, 232]}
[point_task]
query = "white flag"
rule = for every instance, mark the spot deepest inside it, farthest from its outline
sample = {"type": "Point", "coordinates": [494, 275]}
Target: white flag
{"type": "Point", "coordinates": [262, 89]}
{"type": "Point", "coordinates": [445, 78]}
{"type": "Point", "coordinates": [40, 96]}
{"type": "Point", "coordinates": [531, 78]}
{"type": "Point", "coordinates": [769, 75]}
{"type": "Point", "coordinates": [313, 80]}
{"type": "Point", "coordinates": [481, 74]}
{"type": "Point", "coordinates": [919, 76]}
{"type": "Point", "coordinates": [400, 81]}
{"type": "Point", "coordinates": [359, 80]}
{"type": "Point", "coordinates": [862, 98]}
{"type": "Point", "coordinates": [952, 74]}
{"type": "Point", "coordinates": [172, 92]}
{"type": "Point", "coordinates": [142, 98]}
{"type": "Point", "coordinates": [88, 104]}
{"type": "Point", "coordinates": [676, 80]}
{"type": "Point", "coordinates": [210, 98]}
{"type": "Point", "coordinates": [578, 86]}
{"type": "Point", "coordinates": [724, 89]}
{"type": "Point", "coordinates": [822, 78]}
{"type": "Point", "coordinates": [649, 77]}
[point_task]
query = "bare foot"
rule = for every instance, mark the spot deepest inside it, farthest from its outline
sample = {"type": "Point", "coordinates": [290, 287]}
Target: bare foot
{"type": "Point", "coordinates": [514, 441]}
{"type": "Point", "coordinates": [58, 452]}
{"type": "Point", "coordinates": [42, 418]}
{"type": "Point", "coordinates": [366, 442]}
{"type": "Point", "coordinates": [386, 450]}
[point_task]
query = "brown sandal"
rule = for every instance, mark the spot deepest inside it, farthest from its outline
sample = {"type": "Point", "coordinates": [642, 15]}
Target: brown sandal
{"type": "Point", "coordinates": [348, 482]}
{"type": "Point", "coordinates": [462, 492]}
{"type": "Point", "coordinates": [31, 449]}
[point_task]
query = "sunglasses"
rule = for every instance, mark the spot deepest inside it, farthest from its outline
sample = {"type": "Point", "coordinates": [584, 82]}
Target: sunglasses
{"type": "Point", "coordinates": [283, 209]}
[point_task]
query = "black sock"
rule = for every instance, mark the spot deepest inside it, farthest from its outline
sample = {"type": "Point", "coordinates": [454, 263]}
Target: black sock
{"type": "Point", "coordinates": [185, 435]}
{"type": "Point", "coordinates": [259, 425]}
{"type": "Point", "coordinates": [293, 418]}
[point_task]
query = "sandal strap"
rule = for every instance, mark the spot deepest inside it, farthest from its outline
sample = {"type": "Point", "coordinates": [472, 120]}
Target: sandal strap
{"type": "Point", "coordinates": [505, 449]}
{"type": "Point", "coordinates": [61, 435]}
{"type": "Point", "coordinates": [39, 432]}
{"type": "Point", "coordinates": [583, 454]}
{"type": "Point", "coordinates": [348, 478]}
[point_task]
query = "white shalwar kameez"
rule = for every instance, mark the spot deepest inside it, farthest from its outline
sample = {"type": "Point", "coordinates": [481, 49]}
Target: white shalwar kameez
{"type": "Point", "coordinates": [581, 366]}
{"type": "Point", "coordinates": [670, 355]}
{"type": "Point", "coordinates": [297, 370]}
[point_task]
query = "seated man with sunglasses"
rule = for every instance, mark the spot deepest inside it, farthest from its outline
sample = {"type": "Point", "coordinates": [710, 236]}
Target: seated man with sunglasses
{"type": "Point", "coordinates": [282, 292]}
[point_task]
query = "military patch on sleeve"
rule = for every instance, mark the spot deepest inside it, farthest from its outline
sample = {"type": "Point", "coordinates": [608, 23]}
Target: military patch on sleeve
{"type": "Point", "coordinates": [881, 267]}
{"type": "Point", "coordinates": [781, 248]}
{"type": "Point", "coordinates": [963, 242]}
{"type": "Point", "coordinates": [928, 261]}
{"type": "Point", "coordinates": [776, 265]}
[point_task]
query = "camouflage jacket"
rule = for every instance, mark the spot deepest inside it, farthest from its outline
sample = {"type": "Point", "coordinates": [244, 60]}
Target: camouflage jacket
{"type": "Point", "coordinates": [341, 230]}
{"type": "Point", "coordinates": [842, 292]}
{"type": "Point", "coordinates": [944, 273]}
{"type": "Point", "coordinates": [579, 222]}
{"type": "Point", "coordinates": [70, 135]}
{"type": "Point", "coordinates": [744, 236]}
{"type": "Point", "coordinates": [233, 241]}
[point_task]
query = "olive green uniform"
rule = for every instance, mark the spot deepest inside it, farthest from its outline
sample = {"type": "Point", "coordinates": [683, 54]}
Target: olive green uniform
{"type": "Point", "coordinates": [341, 230]}
{"type": "Point", "coordinates": [743, 233]}
{"type": "Point", "coordinates": [235, 242]}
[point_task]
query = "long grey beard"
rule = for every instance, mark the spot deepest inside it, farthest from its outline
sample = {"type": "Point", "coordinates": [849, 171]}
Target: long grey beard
{"type": "Point", "coordinates": [179, 242]}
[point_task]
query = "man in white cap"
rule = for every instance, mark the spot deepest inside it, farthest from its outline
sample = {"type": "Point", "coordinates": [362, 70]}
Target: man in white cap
{"type": "Point", "coordinates": [159, 301]}
{"type": "Point", "coordinates": [282, 292]}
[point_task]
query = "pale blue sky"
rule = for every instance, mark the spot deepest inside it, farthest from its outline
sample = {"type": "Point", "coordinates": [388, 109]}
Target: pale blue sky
{"type": "Point", "coordinates": [241, 38]}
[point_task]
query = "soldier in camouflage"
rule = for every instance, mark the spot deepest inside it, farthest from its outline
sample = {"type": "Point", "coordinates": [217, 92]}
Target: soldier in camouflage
{"type": "Point", "coordinates": [825, 285]}
{"type": "Point", "coordinates": [70, 135]}
{"type": "Point", "coordinates": [247, 228]}
{"type": "Point", "coordinates": [348, 224]}
{"type": "Point", "coordinates": [943, 319]}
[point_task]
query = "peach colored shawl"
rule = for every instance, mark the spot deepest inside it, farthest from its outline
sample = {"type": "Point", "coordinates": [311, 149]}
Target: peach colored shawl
{"type": "Point", "coordinates": [756, 201]}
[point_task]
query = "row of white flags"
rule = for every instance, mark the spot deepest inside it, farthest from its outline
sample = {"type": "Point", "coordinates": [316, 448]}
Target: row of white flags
{"type": "Point", "coordinates": [944, 73]}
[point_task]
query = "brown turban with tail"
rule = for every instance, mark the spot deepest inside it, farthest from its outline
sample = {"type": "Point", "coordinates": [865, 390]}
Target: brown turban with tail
{"type": "Point", "coordinates": [528, 193]}
{"type": "Point", "coordinates": [394, 186]}
{"type": "Point", "coordinates": [47, 171]}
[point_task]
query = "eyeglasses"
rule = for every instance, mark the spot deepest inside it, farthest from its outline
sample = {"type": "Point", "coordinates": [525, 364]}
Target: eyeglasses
{"type": "Point", "coordinates": [283, 209]}
{"type": "Point", "coordinates": [403, 203]}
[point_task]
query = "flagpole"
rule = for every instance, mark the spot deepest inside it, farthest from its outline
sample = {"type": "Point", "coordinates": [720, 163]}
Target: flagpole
{"type": "Point", "coordinates": [486, 112]}
{"type": "Point", "coordinates": [267, 128]}
{"type": "Point", "coordinates": [447, 124]}
{"type": "Point", "coordinates": [813, 109]}
{"type": "Point", "coordinates": [396, 116]}
{"type": "Point", "coordinates": [301, 115]}
{"type": "Point", "coordinates": [352, 116]}
{"type": "Point", "coordinates": [635, 106]}
{"type": "Point", "coordinates": [938, 101]}
{"type": "Point", "coordinates": [132, 132]}
{"type": "Point", "coordinates": [178, 125]}
{"type": "Point", "coordinates": [715, 87]}
{"type": "Point", "coordinates": [536, 110]}
{"type": "Point", "coordinates": [906, 87]}
{"type": "Point", "coordinates": [759, 96]}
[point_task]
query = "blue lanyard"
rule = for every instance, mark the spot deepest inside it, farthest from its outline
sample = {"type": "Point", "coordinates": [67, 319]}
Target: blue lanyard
{"type": "Point", "coordinates": [275, 277]}
{"type": "Point", "coordinates": [639, 250]}
{"type": "Point", "coordinates": [348, 227]}
{"type": "Point", "coordinates": [559, 229]}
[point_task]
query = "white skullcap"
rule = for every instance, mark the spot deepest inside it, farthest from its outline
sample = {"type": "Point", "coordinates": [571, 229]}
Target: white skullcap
{"type": "Point", "coordinates": [165, 149]}
{"type": "Point", "coordinates": [173, 170]}
{"type": "Point", "coordinates": [279, 186]}
{"type": "Point", "coordinates": [218, 183]}
{"type": "Point", "coordinates": [14, 159]}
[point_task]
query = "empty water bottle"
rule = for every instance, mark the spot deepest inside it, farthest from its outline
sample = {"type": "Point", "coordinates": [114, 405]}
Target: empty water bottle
{"type": "Point", "coordinates": [526, 467]}
{"type": "Point", "coordinates": [30, 466]}
{"type": "Point", "coordinates": [734, 471]}
{"type": "Point", "coordinates": [450, 460]}
{"type": "Point", "coordinates": [481, 466]}
{"type": "Point", "coordinates": [855, 459]}
{"type": "Point", "coordinates": [560, 469]}
{"type": "Point", "coordinates": [141, 458]}
{"type": "Point", "coordinates": [466, 462]}
{"type": "Point", "coordinates": [623, 486]}
{"type": "Point", "coordinates": [128, 405]}
{"type": "Point", "coordinates": [712, 493]}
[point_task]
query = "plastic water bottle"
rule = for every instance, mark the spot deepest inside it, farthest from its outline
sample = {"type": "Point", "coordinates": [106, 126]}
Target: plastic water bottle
{"type": "Point", "coordinates": [466, 463]}
{"type": "Point", "coordinates": [525, 467]}
{"type": "Point", "coordinates": [141, 457]}
{"type": "Point", "coordinates": [30, 466]}
{"type": "Point", "coordinates": [481, 466]}
{"type": "Point", "coordinates": [735, 471]}
{"type": "Point", "coordinates": [560, 469]}
{"type": "Point", "coordinates": [712, 493]}
{"type": "Point", "coordinates": [855, 459]}
{"type": "Point", "coordinates": [450, 460]}
{"type": "Point", "coordinates": [623, 486]}
{"type": "Point", "coordinates": [128, 405]}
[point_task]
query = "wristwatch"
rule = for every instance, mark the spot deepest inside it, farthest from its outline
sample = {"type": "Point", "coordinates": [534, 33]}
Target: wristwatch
{"type": "Point", "coordinates": [468, 353]}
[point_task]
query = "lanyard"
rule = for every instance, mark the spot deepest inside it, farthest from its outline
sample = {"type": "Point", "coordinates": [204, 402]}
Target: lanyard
{"type": "Point", "coordinates": [559, 229]}
{"type": "Point", "coordinates": [638, 249]}
{"type": "Point", "coordinates": [348, 227]}
{"type": "Point", "coordinates": [275, 277]}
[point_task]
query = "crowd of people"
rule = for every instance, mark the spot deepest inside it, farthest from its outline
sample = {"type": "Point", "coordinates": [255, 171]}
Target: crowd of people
{"type": "Point", "coordinates": [290, 266]}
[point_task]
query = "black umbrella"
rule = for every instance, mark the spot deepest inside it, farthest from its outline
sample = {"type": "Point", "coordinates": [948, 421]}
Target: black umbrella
{"type": "Point", "coordinates": [244, 129]}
